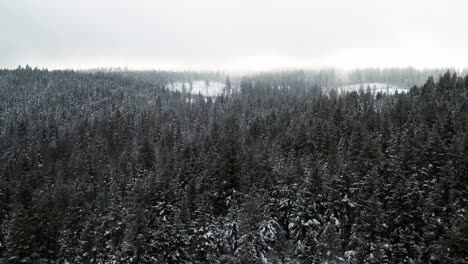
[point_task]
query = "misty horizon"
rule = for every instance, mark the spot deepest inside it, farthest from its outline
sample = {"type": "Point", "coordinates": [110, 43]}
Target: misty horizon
{"type": "Point", "coordinates": [238, 36]}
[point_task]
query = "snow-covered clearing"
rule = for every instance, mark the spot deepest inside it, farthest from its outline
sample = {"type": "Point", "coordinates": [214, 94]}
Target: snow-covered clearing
{"type": "Point", "coordinates": [211, 88]}
{"type": "Point", "coordinates": [373, 87]}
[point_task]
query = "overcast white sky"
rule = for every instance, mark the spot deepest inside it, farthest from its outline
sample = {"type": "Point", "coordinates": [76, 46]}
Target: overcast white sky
{"type": "Point", "coordinates": [233, 35]}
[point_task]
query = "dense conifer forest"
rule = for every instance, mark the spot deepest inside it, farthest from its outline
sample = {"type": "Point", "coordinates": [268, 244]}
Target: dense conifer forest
{"type": "Point", "coordinates": [112, 167]}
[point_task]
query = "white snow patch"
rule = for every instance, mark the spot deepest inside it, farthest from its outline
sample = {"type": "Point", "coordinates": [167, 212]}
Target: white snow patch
{"type": "Point", "coordinates": [211, 88]}
{"type": "Point", "coordinates": [312, 222]}
{"type": "Point", "coordinates": [375, 87]}
{"type": "Point", "coordinates": [349, 254]}
{"type": "Point", "coordinates": [264, 259]}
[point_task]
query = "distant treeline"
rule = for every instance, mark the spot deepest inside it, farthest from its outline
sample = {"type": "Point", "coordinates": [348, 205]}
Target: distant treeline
{"type": "Point", "coordinates": [329, 78]}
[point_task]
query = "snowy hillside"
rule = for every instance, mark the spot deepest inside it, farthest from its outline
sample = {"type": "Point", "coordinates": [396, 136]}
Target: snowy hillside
{"type": "Point", "coordinates": [211, 88]}
{"type": "Point", "coordinates": [374, 88]}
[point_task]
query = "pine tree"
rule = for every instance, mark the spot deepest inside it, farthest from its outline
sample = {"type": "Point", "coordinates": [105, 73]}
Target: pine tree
{"type": "Point", "coordinates": [227, 86]}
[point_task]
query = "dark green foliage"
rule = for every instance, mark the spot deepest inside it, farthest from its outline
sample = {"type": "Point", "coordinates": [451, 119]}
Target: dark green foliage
{"type": "Point", "coordinates": [108, 168]}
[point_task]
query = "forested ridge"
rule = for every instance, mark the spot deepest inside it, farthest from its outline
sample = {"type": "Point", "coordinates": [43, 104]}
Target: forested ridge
{"type": "Point", "coordinates": [107, 168]}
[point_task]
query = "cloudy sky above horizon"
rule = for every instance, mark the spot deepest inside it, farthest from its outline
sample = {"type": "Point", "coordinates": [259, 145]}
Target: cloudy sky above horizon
{"type": "Point", "coordinates": [233, 35]}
